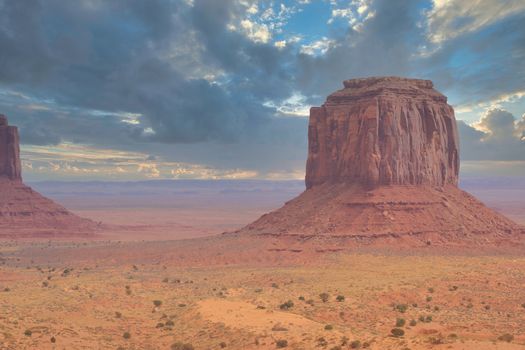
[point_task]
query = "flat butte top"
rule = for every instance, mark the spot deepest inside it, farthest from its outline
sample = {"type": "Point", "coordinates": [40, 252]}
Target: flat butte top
{"type": "Point", "coordinates": [355, 89]}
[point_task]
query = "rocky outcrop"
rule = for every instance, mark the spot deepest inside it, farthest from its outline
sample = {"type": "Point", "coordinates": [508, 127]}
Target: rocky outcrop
{"type": "Point", "coordinates": [10, 166]}
{"type": "Point", "coordinates": [383, 131]}
{"type": "Point", "coordinates": [23, 211]}
{"type": "Point", "coordinates": [383, 167]}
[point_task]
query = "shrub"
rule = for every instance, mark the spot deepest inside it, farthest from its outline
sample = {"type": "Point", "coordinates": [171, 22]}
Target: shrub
{"type": "Point", "coordinates": [397, 332]}
{"type": "Point", "coordinates": [431, 290]}
{"type": "Point", "coordinates": [429, 298]}
{"type": "Point", "coordinates": [281, 343]}
{"type": "Point", "coordinates": [340, 298]}
{"type": "Point", "coordinates": [53, 340]}
{"type": "Point", "coordinates": [310, 302]}
{"type": "Point", "coordinates": [322, 341]}
{"type": "Point", "coordinates": [157, 303]}
{"type": "Point", "coordinates": [170, 323]}
{"type": "Point", "coordinates": [118, 314]}
{"type": "Point", "coordinates": [324, 297]}
{"type": "Point", "coordinates": [356, 344]}
{"type": "Point", "coordinates": [286, 305]}
{"type": "Point", "coordinates": [400, 322]}
{"type": "Point", "coordinates": [413, 323]}
{"type": "Point", "coordinates": [28, 332]}
{"type": "Point", "coordinates": [328, 327]}
{"type": "Point", "coordinates": [126, 335]}
{"type": "Point", "coordinates": [222, 345]}
{"type": "Point", "coordinates": [275, 285]}
{"type": "Point", "coordinates": [506, 337]}
{"type": "Point", "coordinates": [181, 346]}
{"type": "Point", "coordinates": [344, 340]}
{"type": "Point", "coordinates": [401, 308]}
{"type": "Point", "coordinates": [428, 319]}
{"type": "Point", "coordinates": [301, 298]}
{"type": "Point", "coordinates": [159, 325]}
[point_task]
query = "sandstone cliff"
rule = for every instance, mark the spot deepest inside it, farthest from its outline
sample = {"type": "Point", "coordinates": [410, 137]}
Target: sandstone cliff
{"type": "Point", "coordinates": [9, 151]}
{"type": "Point", "coordinates": [383, 166]}
{"type": "Point", "coordinates": [383, 131]}
{"type": "Point", "coordinates": [23, 211]}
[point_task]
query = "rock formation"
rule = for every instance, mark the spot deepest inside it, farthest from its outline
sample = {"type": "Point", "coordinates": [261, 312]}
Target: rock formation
{"type": "Point", "coordinates": [9, 151]}
{"type": "Point", "coordinates": [383, 164]}
{"type": "Point", "coordinates": [24, 212]}
{"type": "Point", "coordinates": [383, 131]}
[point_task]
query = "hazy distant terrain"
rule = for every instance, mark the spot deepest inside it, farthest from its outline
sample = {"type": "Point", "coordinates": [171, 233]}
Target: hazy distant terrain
{"type": "Point", "coordinates": [242, 201]}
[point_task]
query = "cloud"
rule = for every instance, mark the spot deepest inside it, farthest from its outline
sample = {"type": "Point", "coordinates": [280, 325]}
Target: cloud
{"type": "Point", "coordinates": [451, 18]}
{"type": "Point", "coordinates": [188, 82]}
{"type": "Point", "coordinates": [498, 136]}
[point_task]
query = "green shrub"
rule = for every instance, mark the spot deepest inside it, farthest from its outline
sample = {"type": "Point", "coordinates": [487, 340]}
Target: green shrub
{"type": "Point", "coordinates": [324, 297]}
{"type": "Point", "coordinates": [281, 343]}
{"type": "Point", "coordinates": [413, 323]}
{"type": "Point", "coordinates": [397, 332]}
{"type": "Point", "coordinates": [181, 346]}
{"type": "Point", "coordinates": [328, 327]}
{"type": "Point", "coordinates": [431, 290]}
{"type": "Point", "coordinates": [340, 298]}
{"type": "Point", "coordinates": [157, 303]}
{"type": "Point", "coordinates": [356, 344]}
{"type": "Point", "coordinates": [286, 305]}
{"type": "Point", "coordinates": [429, 298]}
{"type": "Point", "coordinates": [400, 322]}
{"type": "Point", "coordinates": [401, 308]}
{"type": "Point", "coordinates": [28, 332]}
{"type": "Point", "coordinates": [301, 298]}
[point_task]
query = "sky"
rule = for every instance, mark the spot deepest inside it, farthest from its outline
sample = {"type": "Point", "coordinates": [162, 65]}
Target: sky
{"type": "Point", "coordinates": [207, 89]}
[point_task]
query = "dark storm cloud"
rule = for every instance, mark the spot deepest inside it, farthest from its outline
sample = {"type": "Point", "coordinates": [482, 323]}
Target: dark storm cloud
{"type": "Point", "coordinates": [137, 75]}
{"type": "Point", "coordinates": [111, 56]}
{"type": "Point", "coordinates": [498, 136]}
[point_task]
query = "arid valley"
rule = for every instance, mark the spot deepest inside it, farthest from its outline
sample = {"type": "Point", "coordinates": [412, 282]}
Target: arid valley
{"type": "Point", "coordinates": [92, 294]}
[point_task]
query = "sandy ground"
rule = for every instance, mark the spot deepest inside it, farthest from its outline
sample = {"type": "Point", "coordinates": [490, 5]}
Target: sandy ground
{"type": "Point", "coordinates": [226, 292]}
{"type": "Point", "coordinates": [91, 303]}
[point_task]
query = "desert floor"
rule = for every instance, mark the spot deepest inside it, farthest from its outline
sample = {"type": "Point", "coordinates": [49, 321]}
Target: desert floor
{"type": "Point", "coordinates": [144, 285]}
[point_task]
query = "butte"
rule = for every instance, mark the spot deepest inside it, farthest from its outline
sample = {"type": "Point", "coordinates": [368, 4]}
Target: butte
{"type": "Point", "coordinates": [24, 212]}
{"type": "Point", "coordinates": [383, 164]}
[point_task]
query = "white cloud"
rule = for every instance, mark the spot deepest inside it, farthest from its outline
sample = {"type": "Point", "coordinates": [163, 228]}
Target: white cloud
{"type": "Point", "coordinates": [319, 47]}
{"type": "Point", "coordinates": [257, 32]}
{"type": "Point", "coordinates": [356, 13]}
{"type": "Point", "coordinates": [451, 18]}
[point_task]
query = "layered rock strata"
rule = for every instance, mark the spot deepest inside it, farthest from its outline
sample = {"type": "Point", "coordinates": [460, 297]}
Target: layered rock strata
{"type": "Point", "coordinates": [383, 164]}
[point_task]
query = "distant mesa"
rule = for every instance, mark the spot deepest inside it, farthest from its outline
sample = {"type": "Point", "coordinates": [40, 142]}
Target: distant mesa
{"type": "Point", "coordinates": [383, 164]}
{"type": "Point", "coordinates": [24, 212]}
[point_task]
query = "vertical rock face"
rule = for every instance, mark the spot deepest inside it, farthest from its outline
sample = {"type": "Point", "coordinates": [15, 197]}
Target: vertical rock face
{"type": "Point", "coordinates": [383, 167]}
{"type": "Point", "coordinates": [24, 212]}
{"type": "Point", "coordinates": [9, 151]}
{"type": "Point", "coordinates": [383, 131]}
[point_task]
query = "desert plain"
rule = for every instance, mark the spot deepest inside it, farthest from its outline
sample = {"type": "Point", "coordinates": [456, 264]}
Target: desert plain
{"type": "Point", "coordinates": [161, 275]}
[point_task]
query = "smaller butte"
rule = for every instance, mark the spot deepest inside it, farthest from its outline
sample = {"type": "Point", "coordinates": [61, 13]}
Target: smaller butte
{"type": "Point", "coordinates": [23, 211]}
